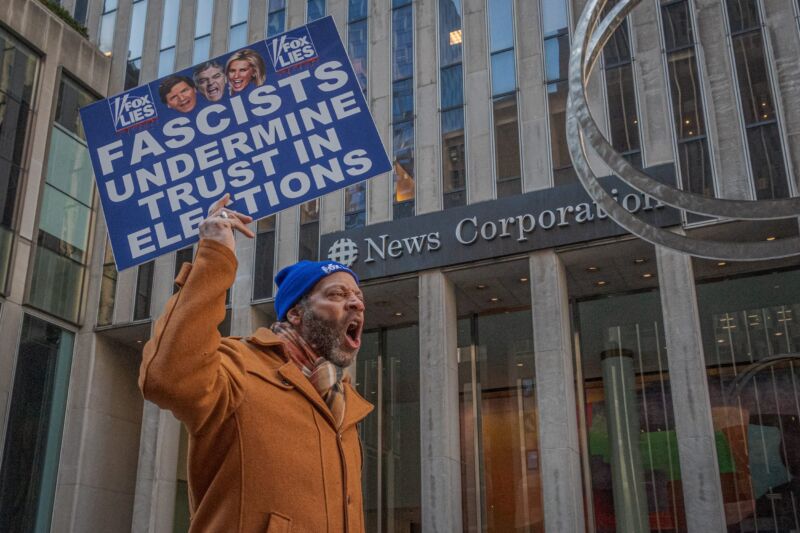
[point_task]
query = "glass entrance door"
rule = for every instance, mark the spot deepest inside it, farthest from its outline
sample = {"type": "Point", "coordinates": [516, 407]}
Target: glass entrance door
{"type": "Point", "coordinates": [501, 482]}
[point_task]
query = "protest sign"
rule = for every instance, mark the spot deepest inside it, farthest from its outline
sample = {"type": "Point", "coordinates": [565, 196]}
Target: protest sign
{"type": "Point", "coordinates": [275, 124]}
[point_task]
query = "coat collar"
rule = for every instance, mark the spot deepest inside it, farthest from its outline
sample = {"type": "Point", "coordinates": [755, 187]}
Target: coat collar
{"type": "Point", "coordinates": [356, 407]}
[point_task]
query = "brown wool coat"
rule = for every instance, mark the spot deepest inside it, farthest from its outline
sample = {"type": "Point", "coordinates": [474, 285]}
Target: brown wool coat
{"type": "Point", "coordinates": [264, 454]}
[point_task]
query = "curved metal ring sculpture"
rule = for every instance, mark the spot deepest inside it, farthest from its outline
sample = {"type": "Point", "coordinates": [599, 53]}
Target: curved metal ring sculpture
{"type": "Point", "coordinates": [591, 35]}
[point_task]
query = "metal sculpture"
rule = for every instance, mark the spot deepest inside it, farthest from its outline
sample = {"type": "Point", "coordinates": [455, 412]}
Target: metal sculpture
{"type": "Point", "coordinates": [593, 31]}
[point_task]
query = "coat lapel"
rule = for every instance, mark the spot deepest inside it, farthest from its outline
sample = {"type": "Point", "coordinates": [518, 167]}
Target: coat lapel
{"type": "Point", "coordinates": [293, 375]}
{"type": "Point", "coordinates": [356, 407]}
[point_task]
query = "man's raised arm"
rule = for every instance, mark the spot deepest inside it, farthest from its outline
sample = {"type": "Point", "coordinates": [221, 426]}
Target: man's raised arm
{"type": "Point", "coordinates": [186, 366]}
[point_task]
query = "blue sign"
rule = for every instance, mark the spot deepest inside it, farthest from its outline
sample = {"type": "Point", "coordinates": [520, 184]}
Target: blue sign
{"type": "Point", "coordinates": [275, 124]}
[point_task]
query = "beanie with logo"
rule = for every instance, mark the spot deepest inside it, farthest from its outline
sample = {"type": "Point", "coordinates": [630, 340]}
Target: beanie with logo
{"type": "Point", "coordinates": [296, 280]}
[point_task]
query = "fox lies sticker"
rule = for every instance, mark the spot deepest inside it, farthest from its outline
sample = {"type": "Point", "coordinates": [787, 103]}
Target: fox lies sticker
{"type": "Point", "coordinates": [133, 107]}
{"type": "Point", "coordinates": [291, 49]}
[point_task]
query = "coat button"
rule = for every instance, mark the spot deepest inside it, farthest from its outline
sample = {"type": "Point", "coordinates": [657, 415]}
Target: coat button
{"type": "Point", "coordinates": [284, 382]}
{"type": "Point", "coordinates": [340, 436]}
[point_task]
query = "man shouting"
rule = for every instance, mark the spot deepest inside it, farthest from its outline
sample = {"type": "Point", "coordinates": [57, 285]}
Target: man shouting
{"type": "Point", "coordinates": [273, 444]}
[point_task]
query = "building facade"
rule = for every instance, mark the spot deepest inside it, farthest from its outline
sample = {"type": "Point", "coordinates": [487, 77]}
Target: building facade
{"type": "Point", "coordinates": [533, 367]}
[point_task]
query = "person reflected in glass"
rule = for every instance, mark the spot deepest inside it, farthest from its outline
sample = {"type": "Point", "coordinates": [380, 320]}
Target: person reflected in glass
{"type": "Point", "coordinates": [178, 93]}
{"type": "Point", "coordinates": [210, 80]}
{"type": "Point", "coordinates": [243, 68]}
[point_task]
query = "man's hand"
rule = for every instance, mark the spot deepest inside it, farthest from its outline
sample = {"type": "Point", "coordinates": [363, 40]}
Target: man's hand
{"type": "Point", "coordinates": [221, 221]}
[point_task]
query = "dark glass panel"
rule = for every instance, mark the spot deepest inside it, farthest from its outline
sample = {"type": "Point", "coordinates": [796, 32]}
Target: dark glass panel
{"type": "Point", "coordinates": [452, 87]}
{"type": "Point", "coordinates": [504, 76]}
{"type": "Point", "coordinates": [403, 149]}
{"type": "Point", "coordinates": [264, 268]}
{"type": "Point", "coordinates": [276, 22]}
{"type": "Point", "coordinates": [687, 104]}
{"type": "Point", "coordinates": [356, 9]}
{"type": "Point", "coordinates": [557, 105]}
{"type": "Point", "coordinates": [316, 10]}
{"type": "Point", "coordinates": [766, 160]}
{"type": "Point", "coordinates": [554, 17]}
{"type": "Point", "coordinates": [450, 32]}
{"type": "Point", "coordinates": [454, 164]}
{"type": "Point", "coordinates": [144, 291]}
{"type": "Point", "coordinates": [506, 140]}
{"type": "Point", "coordinates": [676, 20]}
{"type": "Point", "coordinates": [403, 100]}
{"type": "Point", "coordinates": [70, 99]}
{"type": "Point", "coordinates": [18, 68]}
{"type": "Point", "coordinates": [743, 15]}
{"type": "Point", "coordinates": [108, 289]}
{"type": "Point", "coordinates": [357, 41]}
{"type": "Point", "coordinates": [754, 86]}
{"type": "Point", "coordinates": [618, 49]}
{"type": "Point", "coordinates": [556, 57]}
{"type": "Point", "coordinates": [35, 423]}
{"type": "Point", "coordinates": [501, 25]}
{"type": "Point", "coordinates": [402, 43]}
{"type": "Point", "coordinates": [622, 109]}
{"type": "Point", "coordinates": [696, 167]}
{"type": "Point", "coordinates": [276, 5]}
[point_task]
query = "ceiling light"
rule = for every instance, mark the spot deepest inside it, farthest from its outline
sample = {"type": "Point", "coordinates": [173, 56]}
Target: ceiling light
{"type": "Point", "coordinates": [398, 313]}
{"type": "Point", "coordinates": [647, 275]}
{"type": "Point", "coordinates": [480, 286]}
{"type": "Point", "coordinates": [523, 280]}
{"type": "Point", "coordinates": [494, 299]}
{"type": "Point", "coordinates": [722, 264]}
{"type": "Point", "coordinates": [640, 260]}
{"type": "Point", "coordinates": [601, 283]}
{"type": "Point", "coordinates": [778, 333]}
{"type": "Point", "coordinates": [592, 269]}
{"type": "Point", "coordinates": [138, 342]}
{"type": "Point", "coordinates": [771, 238]}
{"type": "Point", "coordinates": [520, 364]}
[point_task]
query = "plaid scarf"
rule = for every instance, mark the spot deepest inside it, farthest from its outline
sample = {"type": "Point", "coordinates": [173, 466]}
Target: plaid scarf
{"type": "Point", "coordinates": [323, 375]}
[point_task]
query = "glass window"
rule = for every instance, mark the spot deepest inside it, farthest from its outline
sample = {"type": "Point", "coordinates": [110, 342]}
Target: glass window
{"type": "Point", "coordinates": [500, 480]}
{"type": "Point", "coordinates": [144, 291]}
{"type": "Point", "coordinates": [556, 57]}
{"type": "Point", "coordinates": [309, 231]}
{"type": "Point", "coordinates": [18, 67]}
{"type": "Point", "coordinates": [355, 205]}
{"type": "Point", "coordinates": [388, 376]}
{"type": "Point", "coordinates": [357, 40]}
{"type": "Point", "coordinates": [276, 17]}
{"type": "Point", "coordinates": [356, 10]}
{"type": "Point", "coordinates": [621, 94]}
{"type": "Point", "coordinates": [315, 10]}
{"type": "Point", "coordinates": [766, 160]}
{"type": "Point", "coordinates": [237, 36]}
{"type": "Point", "coordinates": [135, 44]}
{"type": "Point", "coordinates": [504, 78]}
{"type": "Point", "coordinates": [108, 288]}
{"type": "Point", "coordinates": [751, 340]}
{"type": "Point", "coordinates": [450, 32]}
{"type": "Point", "coordinates": [554, 17]}
{"type": "Point", "coordinates": [686, 98]}
{"type": "Point", "coordinates": [403, 107]}
{"type": "Point", "coordinates": [107, 22]}
{"type": "Point", "coordinates": [501, 25]}
{"type": "Point", "coordinates": [65, 213]}
{"type": "Point", "coordinates": [506, 134]}
{"type": "Point", "coordinates": [454, 163]}
{"type": "Point", "coordinates": [81, 7]}
{"type": "Point", "coordinates": [35, 423]}
{"type": "Point", "coordinates": [264, 268]}
{"type": "Point", "coordinates": [202, 30]}
{"type": "Point", "coordinates": [743, 15]}
{"type": "Point", "coordinates": [677, 23]}
{"type": "Point", "coordinates": [563, 173]}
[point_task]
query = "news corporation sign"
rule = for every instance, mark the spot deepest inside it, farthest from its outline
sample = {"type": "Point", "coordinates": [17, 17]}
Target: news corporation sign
{"type": "Point", "coordinates": [508, 226]}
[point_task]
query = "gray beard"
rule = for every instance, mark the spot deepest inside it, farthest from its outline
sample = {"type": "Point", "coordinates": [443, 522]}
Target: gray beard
{"type": "Point", "coordinates": [325, 337]}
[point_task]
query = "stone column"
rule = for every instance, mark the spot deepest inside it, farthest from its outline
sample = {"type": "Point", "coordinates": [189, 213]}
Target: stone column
{"type": "Point", "coordinates": [184, 43]}
{"type": "Point", "coordinates": [152, 42]}
{"type": "Point", "coordinates": [562, 492]}
{"type": "Point", "coordinates": [477, 103]}
{"type": "Point", "coordinates": [439, 414]}
{"type": "Point", "coordinates": [532, 103]}
{"type": "Point", "coordinates": [783, 42]}
{"type": "Point", "coordinates": [702, 493]}
{"type": "Point", "coordinates": [655, 129]}
{"type": "Point", "coordinates": [295, 13]}
{"type": "Point", "coordinates": [428, 142]}
{"type": "Point", "coordinates": [379, 89]}
{"type": "Point", "coordinates": [159, 440]}
{"type": "Point", "coordinates": [220, 27]}
{"type": "Point", "coordinates": [257, 20]}
{"type": "Point", "coordinates": [723, 107]}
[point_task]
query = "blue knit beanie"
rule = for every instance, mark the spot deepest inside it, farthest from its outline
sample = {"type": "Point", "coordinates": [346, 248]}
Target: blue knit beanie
{"type": "Point", "coordinates": [296, 280]}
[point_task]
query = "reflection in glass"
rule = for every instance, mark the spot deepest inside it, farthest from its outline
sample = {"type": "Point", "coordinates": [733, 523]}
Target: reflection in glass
{"type": "Point", "coordinates": [237, 36]}
{"type": "Point", "coordinates": [500, 480]}
{"type": "Point", "coordinates": [563, 173]}
{"type": "Point", "coordinates": [264, 267]}
{"type": "Point", "coordinates": [454, 167]}
{"type": "Point", "coordinates": [504, 77]}
{"type": "Point", "coordinates": [556, 57]}
{"type": "Point", "coordinates": [763, 135]}
{"type": "Point", "coordinates": [630, 425]}
{"type": "Point", "coordinates": [677, 23]}
{"type": "Point", "coordinates": [388, 377]}
{"type": "Point", "coordinates": [355, 204]}
{"type": "Point", "coordinates": [315, 10]}
{"type": "Point", "coordinates": [755, 405]}
{"type": "Point", "coordinates": [309, 231]}
{"type": "Point", "coordinates": [35, 424]}
{"type": "Point", "coordinates": [202, 31]}
{"type": "Point", "coordinates": [621, 93]}
{"type": "Point", "coordinates": [144, 291]}
{"type": "Point", "coordinates": [454, 164]}
{"type": "Point", "coordinates": [501, 25]}
{"type": "Point", "coordinates": [276, 17]}
{"type": "Point", "coordinates": [506, 134]}
{"type": "Point", "coordinates": [403, 108]}
{"type": "Point", "coordinates": [554, 17]}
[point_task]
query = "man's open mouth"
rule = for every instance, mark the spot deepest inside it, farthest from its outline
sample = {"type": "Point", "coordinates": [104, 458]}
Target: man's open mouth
{"type": "Point", "coordinates": [353, 334]}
